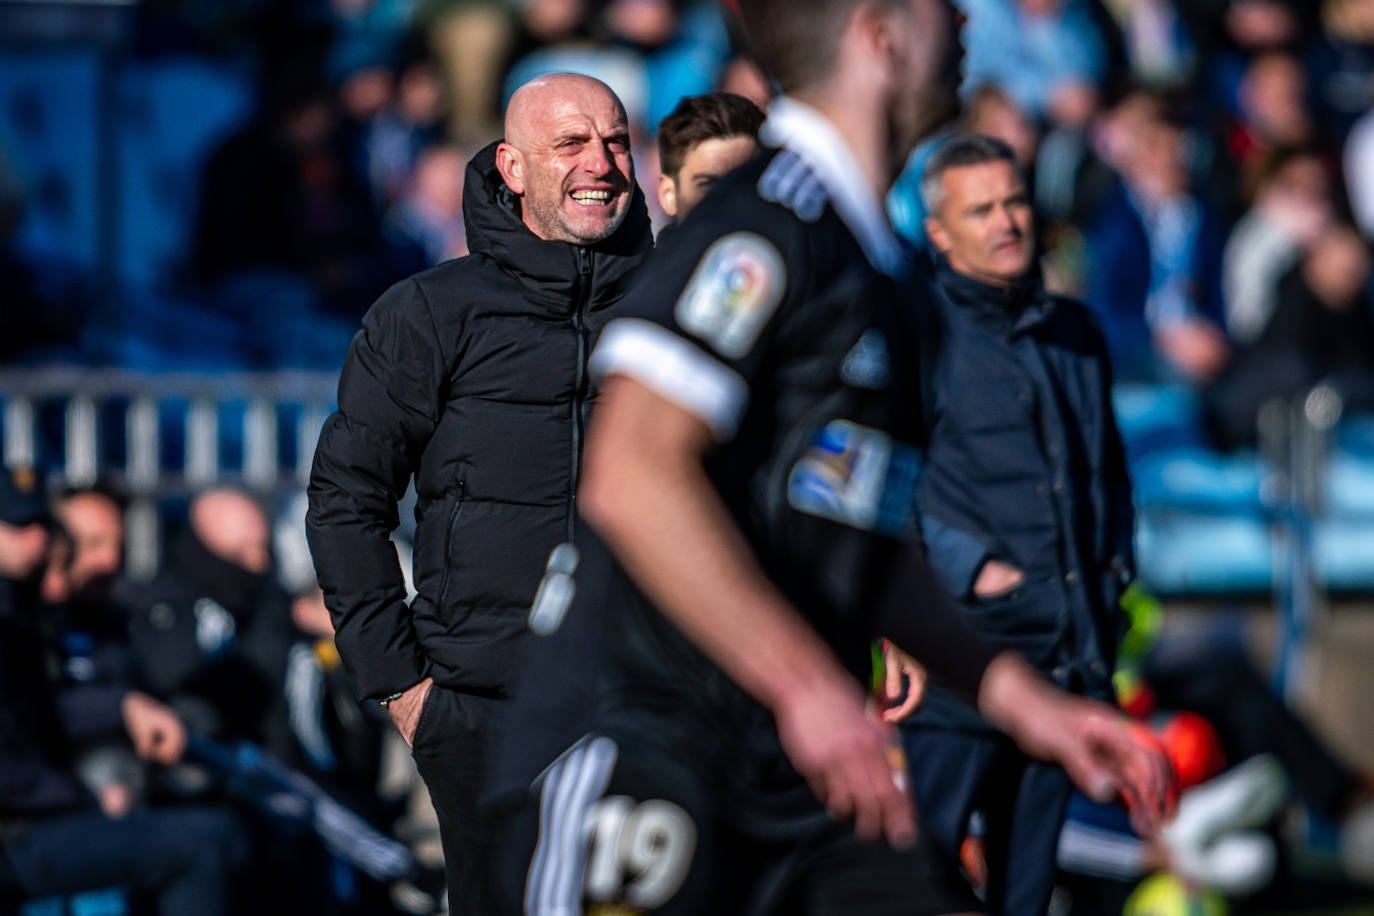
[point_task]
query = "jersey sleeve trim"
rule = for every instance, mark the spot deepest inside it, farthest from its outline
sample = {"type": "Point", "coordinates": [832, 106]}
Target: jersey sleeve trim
{"type": "Point", "coordinates": [674, 368]}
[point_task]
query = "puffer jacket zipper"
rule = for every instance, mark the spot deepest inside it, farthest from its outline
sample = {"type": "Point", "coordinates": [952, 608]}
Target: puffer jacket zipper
{"type": "Point", "coordinates": [584, 298]}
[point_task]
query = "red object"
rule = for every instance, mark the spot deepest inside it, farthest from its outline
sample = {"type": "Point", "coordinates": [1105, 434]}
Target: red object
{"type": "Point", "coordinates": [1192, 747]}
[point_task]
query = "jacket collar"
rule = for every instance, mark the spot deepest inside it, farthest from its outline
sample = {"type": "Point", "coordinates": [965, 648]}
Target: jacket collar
{"type": "Point", "coordinates": [549, 270]}
{"type": "Point", "coordinates": [798, 127]}
{"type": "Point", "coordinates": [1008, 310]}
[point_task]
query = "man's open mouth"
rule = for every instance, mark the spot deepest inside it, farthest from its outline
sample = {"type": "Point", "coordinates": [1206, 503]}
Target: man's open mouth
{"type": "Point", "coordinates": [593, 198]}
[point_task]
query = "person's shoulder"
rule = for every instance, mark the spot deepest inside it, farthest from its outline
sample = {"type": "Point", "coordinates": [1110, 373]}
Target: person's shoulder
{"type": "Point", "coordinates": [1076, 321]}
{"type": "Point", "coordinates": [776, 189]}
{"type": "Point", "coordinates": [417, 298]}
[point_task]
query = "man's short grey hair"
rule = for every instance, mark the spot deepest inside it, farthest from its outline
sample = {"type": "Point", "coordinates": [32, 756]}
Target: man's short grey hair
{"type": "Point", "coordinates": [969, 149]}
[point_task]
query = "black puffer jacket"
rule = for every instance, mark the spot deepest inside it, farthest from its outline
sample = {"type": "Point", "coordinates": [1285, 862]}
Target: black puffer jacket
{"type": "Point", "coordinates": [472, 377]}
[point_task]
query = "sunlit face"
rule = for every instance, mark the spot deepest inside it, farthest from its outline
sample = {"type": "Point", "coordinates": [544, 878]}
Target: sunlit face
{"type": "Point", "coordinates": [572, 167]}
{"type": "Point", "coordinates": [984, 223]}
{"type": "Point", "coordinates": [702, 166]}
{"type": "Point", "coordinates": [930, 54]}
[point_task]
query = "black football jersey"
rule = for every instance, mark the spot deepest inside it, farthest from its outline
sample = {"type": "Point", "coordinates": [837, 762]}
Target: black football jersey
{"type": "Point", "coordinates": [785, 316]}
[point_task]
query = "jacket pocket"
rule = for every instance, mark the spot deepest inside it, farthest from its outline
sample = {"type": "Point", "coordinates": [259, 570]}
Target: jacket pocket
{"type": "Point", "coordinates": [1024, 619]}
{"type": "Point", "coordinates": [450, 532]}
{"type": "Point", "coordinates": [432, 699]}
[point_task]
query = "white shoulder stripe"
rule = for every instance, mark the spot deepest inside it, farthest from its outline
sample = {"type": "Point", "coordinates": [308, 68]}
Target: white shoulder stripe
{"type": "Point", "coordinates": [572, 785]}
{"type": "Point", "coordinates": [789, 181]}
{"type": "Point", "coordinates": [674, 368]}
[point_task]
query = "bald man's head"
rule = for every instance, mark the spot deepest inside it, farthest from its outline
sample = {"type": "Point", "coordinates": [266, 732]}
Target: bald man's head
{"type": "Point", "coordinates": [567, 157]}
{"type": "Point", "coordinates": [233, 527]}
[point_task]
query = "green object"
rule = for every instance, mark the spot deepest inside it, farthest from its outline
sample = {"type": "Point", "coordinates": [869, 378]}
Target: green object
{"type": "Point", "coordinates": [1164, 894]}
{"type": "Point", "coordinates": [879, 668]}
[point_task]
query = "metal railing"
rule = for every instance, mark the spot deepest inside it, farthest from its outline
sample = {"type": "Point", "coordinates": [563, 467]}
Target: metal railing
{"type": "Point", "coordinates": [164, 436]}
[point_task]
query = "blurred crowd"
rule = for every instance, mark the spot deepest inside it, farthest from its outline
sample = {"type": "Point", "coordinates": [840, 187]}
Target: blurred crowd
{"type": "Point", "coordinates": [1205, 170]}
{"type": "Point", "coordinates": [346, 171]}
{"type": "Point", "coordinates": [229, 653]}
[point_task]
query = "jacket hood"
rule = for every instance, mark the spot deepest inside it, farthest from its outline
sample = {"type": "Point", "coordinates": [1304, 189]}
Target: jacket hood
{"type": "Point", "coordinates": [548, 269]}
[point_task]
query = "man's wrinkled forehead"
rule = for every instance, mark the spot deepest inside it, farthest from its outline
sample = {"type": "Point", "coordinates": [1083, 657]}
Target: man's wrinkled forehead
{"type": "Point", "coordinates": [589, 114]}
{"type": "Point", "coordinates": [557, 107]}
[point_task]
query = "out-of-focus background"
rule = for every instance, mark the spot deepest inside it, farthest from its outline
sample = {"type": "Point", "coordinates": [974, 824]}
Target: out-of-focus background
{"type": "Point", "coordinates": [199, 200]}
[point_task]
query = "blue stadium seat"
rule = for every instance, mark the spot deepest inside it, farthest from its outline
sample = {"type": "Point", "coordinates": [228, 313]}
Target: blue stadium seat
{"type": "Point", "coordinates": [1195, 554]}
{"type": "Point", "coordinates": [110, 902]}
{"type": "Point", "coordinates": [50, 115]}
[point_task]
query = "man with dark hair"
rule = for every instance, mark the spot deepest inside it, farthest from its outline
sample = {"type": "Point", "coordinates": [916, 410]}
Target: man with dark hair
{"type": "Point", "coordinates": [703, 139]}
{"type": "Point", "coordinates": [1025, 508]}
{"type": "Point", "coordinates": [472, 379]}
{"type": "Point", "coordinates": [750, 469]}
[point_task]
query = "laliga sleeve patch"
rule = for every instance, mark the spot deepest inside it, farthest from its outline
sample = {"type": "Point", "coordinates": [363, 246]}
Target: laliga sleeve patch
{"type": "Point", "coordinates": [857, 476]}
{"type": "Point", "coordinates": [733, 292]}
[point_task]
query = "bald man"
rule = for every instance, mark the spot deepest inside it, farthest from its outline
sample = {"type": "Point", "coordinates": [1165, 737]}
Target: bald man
{"type": "Point", "coordinates": [471, 379]}
{"type": "Point", "coordinates": [210, 634]}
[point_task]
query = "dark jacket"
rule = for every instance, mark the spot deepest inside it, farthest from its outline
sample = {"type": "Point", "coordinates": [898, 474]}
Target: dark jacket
{"type": "Point", "coordinates": [39, 717]}
{"type": "Point", "coordinates": [472, 377]}
{"type": "Point", "coordinates": [1025, 465]}
{"type": "Point", "coordinates": [211, 640]}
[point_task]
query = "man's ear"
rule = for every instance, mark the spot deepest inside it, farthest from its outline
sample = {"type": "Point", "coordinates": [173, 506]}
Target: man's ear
{"type": "Point", "coordinates": [667, 195]}
{"type": "Point", "coordinates": [935, 231]}
{"type": "Point", "coordinates": [511, 165]}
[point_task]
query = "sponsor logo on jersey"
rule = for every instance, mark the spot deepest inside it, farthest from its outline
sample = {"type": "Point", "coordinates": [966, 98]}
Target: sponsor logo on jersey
{"type": "Point", "coordinates": [733, 293]}
{"type": "Point", "coordinates": [856, 476]}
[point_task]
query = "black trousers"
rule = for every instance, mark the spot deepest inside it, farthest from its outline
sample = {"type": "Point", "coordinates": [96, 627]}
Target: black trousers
{"type": "Point", "coordinates": [957, 772]}
{"type": "Point", "coordinates": [449, 747]}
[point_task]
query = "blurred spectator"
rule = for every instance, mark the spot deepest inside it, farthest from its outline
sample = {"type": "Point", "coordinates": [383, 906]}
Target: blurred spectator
{"type": "Point", "coordinates": [1152, 249]}
{"type": "Point", "coordinates": [742, 76]}
{"type": "Point", "coordinates": [1359, 172]}
{"type": "Point", "coordinates": [281, 196]}
{"type": "Point", "coordinates": [56, 840]}
{"type": "Point", "coordinates": [211, 633]}
{"type": "Point", "coordinates": [88, 628]}
{"type": "Point", "coordinates": [350, 748]}
{"type": "Point", "coordinates": [367, 35]}
{"type": "Point", "coordinates": [1048, 55]}
{"type": "Point", "coordinates": [1291, 208]}
{"type": "Point", "coordinates": [1341, 62]}
{"type": "Point", "coordinates": [1272, 112]}
{"type": "Point", "coordinates": [393, 136]}
{"type": "Point", "coordinates": [1320, 329]}
{"type": "Point", "coordinates": [471, 41]}
{"type": "Point", "coordinates": [429, 214]}
{"type": "Point", "coordinates": [1159, 50]}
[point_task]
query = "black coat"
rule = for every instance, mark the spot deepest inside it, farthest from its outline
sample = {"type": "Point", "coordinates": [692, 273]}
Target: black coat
{"type": "Point", "coordinates": [39, 717]}
{"type": "Point", "coordinates": [472, 377]}
{"type": "Point", "coordinates": [211, 639]}
{"type": "Point", "coordinates": [1025, 465]}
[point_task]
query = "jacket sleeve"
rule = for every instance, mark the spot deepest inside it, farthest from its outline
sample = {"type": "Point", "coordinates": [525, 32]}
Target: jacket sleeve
{"type": "Point", "coordinates": [1119, 508]}
{"type": "Point", "coordinates": [955, 555]}
{"type": "Point", "coordinates": [391, 392]}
